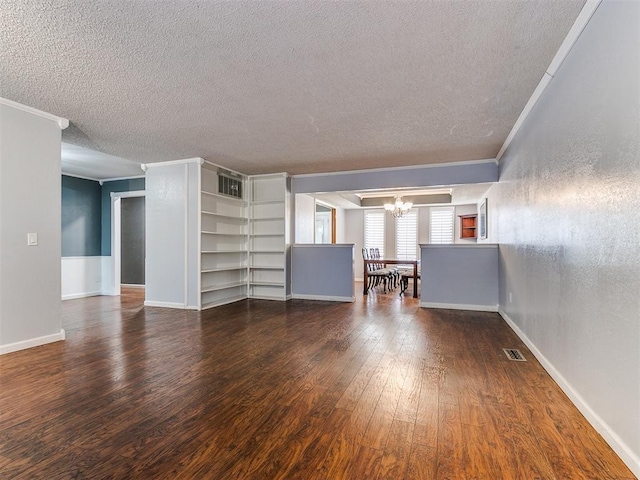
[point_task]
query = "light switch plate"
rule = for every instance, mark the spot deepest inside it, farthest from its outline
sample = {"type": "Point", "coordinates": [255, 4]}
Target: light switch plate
{"type": "Point", "coordinates": [32, 239]}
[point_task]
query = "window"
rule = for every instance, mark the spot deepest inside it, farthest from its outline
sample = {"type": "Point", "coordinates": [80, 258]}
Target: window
{"type": "Point", "coordinates": [407, 236]}
{"type": "Point", "coordinates": [441, 225]}
{"type": "Point", "coordinates": [374, 230]}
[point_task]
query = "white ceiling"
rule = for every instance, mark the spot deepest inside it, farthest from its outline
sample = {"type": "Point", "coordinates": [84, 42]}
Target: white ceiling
{"type": "Point", "coordinates": [87, 163]}
{"type": "Point", "coordinates": [305, 86]}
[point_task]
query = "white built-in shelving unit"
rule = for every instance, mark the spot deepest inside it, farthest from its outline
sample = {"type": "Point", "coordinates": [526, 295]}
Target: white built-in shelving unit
{"type": "Point", "coordinates": [224, 230]}
{"type": "Point", "coordinates": [215, 236]}
{"type": "Point", "coordinates": [269, 243]}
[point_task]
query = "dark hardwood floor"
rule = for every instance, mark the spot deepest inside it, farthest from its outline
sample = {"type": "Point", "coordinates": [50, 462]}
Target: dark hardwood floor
{"type": "Point", "coordinates": [299, 390]}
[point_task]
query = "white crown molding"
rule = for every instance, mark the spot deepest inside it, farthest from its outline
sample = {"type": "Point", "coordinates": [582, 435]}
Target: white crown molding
{"type": "Point", "coordinates": [82, 177]}
{"type": "Point", "coordinates": [574, 33]}
{"type": "Point", "coordinates": [183, 161]}
{"type": "Point", "coordinates": [116, 179]}
{"type": "Point", "coordinates": [405, 167]}
{"type": "Point", "coordinates": [62, 122]}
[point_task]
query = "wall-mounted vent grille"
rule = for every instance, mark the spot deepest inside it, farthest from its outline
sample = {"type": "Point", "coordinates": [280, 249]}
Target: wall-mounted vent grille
{"type": "Point", "coordinates": [513, 354]}
{"type": "Point", "coordinates": [227, 185]}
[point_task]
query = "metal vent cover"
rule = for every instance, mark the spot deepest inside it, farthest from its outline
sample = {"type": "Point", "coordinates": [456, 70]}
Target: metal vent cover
{"type": "Point", "coordinates": [514, 354]}
{"type": "Point", "coordinates": [229, 186]}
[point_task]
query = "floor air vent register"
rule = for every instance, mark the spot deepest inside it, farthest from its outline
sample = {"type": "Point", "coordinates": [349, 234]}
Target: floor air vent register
{"type": "Point", "coordinates": [513, 354]}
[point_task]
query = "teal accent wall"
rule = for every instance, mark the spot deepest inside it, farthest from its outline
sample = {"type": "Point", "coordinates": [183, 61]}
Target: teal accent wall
{"type": "Point", "coordinates": [81, 217]}
{"type": "Point", "coordinates": [129, 185]}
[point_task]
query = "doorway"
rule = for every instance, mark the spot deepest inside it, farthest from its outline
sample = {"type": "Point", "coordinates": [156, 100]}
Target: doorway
{"type": "Point", "coordinates": [127, 240]}
{"type": "Point", "coordinates": [132, 242]}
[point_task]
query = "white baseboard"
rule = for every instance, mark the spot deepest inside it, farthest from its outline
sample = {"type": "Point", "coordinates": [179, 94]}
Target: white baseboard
{"type": "Point", "coordinates": [32, 342]}
{"type": "Point", "coordinates": [460, 306]}
{"type": "Point", "coordinates": [149, 303]}
{"type": "Point", "coordinates": [109, 293]}
{"type": "Point", "coordinates": [288, 297]}
{"type": "Point", "coordinates": [81, 295]}
{"type": "Point", "coordinates": [327, 298]}
{"type": "Point", "coordinates": [622, 449]}
{"type": "Point", "coordinates": [131, 285]}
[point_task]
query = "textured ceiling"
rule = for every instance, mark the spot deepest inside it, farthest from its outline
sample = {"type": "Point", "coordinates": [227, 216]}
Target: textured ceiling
{"type": "Point", "coordinates": [304, 86]}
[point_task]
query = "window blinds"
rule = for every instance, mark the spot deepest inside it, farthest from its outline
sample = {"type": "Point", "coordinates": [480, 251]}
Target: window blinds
{"type": "Point", "coordinates": [407, 236]}
{"type": "Point", "coordinates": [374, 230]}
{"type": "Point", "coordinates": [441, 225]}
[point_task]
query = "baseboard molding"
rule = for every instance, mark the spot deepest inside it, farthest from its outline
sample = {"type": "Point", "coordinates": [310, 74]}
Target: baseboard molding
{"type": "Point", "coordinates": [149, 303]}
{"type": "Point", "coordinates": [109, 293]}
{"type": "Point", "coordinates": [615, 442]}
{"type": "Point", "coordinates": [460, 306]}
{"type": "Point", "coordinates": [326, 298]}
{"type": "Point", "coordinates": [81, 295]}
{"type": "Point", "coordinates": [32, 342]}
{"type": "Point", "coordinates": [131, 285]}
{"type": "Point", "coordinates": [288, 297]}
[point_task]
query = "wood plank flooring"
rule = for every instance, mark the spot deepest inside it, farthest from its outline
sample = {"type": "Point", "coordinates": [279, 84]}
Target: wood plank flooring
{"type": "Point", "coordinates": [378, 389]}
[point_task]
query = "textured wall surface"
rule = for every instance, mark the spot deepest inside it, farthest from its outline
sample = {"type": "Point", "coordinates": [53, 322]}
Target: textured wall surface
{"type": "Point", "coordinates": [30, 193]}
{"type": "Point", "coordinates": [81, 217]}
{"type": "Point", "coordinates": [567, 211]}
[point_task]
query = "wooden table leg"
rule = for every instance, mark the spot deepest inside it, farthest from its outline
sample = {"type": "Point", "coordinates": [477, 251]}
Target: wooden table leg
{"type": "Point", "coordinates": [365, 290]}
{"type": "Point", "coordinates": [415, 280]}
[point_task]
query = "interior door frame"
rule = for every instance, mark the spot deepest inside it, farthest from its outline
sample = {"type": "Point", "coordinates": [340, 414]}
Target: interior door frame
{"type": "Point", "coordinates": [116, 240]}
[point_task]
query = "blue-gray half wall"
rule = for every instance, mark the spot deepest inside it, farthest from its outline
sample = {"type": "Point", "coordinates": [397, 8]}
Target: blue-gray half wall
{"type": "Point", "coordinates": [86, 214]}
{"type": "Point", "coordinates": [81, 217]}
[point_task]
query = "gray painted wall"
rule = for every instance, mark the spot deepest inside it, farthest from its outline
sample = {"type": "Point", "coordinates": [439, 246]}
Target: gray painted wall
{"type": "Point", "coordinates": [323, 271]}
{"type": "Point", "coordinates": [166, 210]}
{"type": "Point", "coordinates": [30, 193]}
{"type": "Point", "coordinates": [465, 276]}
{"type": "Point", "coordinates": [566, 213]}
{"type": "Point", "coordinates": [81, 217]}
{"type": "Point", "coordinates": [422, 176]}
{"type": "Point", "coordinates": [129, 185]}
{"type": "Point", "coordinates": [132, 240]}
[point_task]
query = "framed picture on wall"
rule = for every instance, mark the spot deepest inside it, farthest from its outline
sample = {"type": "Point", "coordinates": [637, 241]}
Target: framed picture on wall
{"type": "Point", "coordinates": [482, 214]}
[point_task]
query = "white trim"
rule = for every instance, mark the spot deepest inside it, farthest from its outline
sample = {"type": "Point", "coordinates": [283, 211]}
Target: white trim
{"type": "Point", "coordinates": [32, 342]}
{"type": "Point", "coordinates": [458, 245]}
{"type": "Point", "coordinates": [62, 122]}
{"type": "Point", "coordinates": [581, 22]}
{"type": "Point", "coordinates": [327, 298]}
{"type": "Point", "coordinates": [615, 442]}
{"type": "Point", "coordinates": [116, 254]}
{"type": "Point", "coordinates": [129, 194]}
{"type": "Point", "coordinates": [460, 306]}
{"type": "Point", "coordinates": [73, 296]}
{"type": "Point", "coordinates": [569, 41]}
{"type": "Point", "coordinates": [244, 176]}
{"type": "Point", "coordinates": [116, 179]}
{"type": "Point", "coordinates": [199, 160]}
{"type": "Point", "coordinates": [150, 303]}
{"type": "Point", "coordinates": [537, 93]}
{"type": "Point", "coordinates": [131, 285]}
{"type": "Point", "coordinates": [288, 297]}
{"type": "Point", "coordinates": [82, 177]}
{"type": "Point", "coordinates": [406, 167]}
{"type": "Point", "coordinates": [81, 256]}
{"type": "Point", "coordinates": [185, 256]}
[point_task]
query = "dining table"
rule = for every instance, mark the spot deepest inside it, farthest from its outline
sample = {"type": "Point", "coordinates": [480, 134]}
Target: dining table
{"type": "Point", "coordinates": [386, 262]}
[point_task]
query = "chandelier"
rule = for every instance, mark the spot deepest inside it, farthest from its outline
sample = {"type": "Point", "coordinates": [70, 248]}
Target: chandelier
{"type": "Point", "coordinates": [399, 208]}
